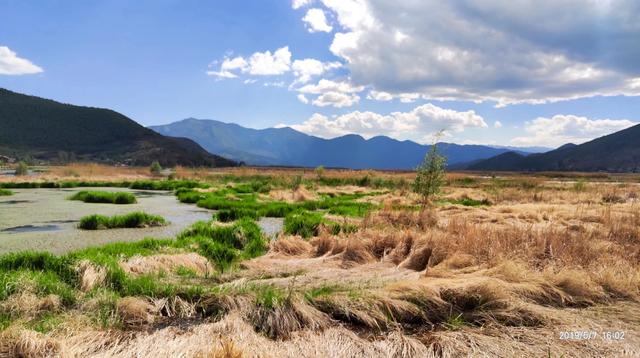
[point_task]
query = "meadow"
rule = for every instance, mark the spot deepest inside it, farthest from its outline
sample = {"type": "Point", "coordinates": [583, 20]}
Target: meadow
{"type": "Point", "coordinates": [496, 265]}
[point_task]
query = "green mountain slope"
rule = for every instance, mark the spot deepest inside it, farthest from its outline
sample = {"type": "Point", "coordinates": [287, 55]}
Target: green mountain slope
{"type": "Point", "coordinates": [47, 130]}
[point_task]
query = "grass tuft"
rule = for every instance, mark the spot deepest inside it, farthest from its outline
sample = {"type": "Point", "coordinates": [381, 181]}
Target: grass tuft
{"type": "Point", "coordinates": [132, 220]}
{"type": "Point", "coordinates": [105, 197]}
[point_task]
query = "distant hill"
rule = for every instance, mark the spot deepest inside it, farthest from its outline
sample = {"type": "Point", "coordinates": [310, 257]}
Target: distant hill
{"type": "Point", "coordinates": [617, 152]}
{"type": "Point", "coordinates": [286, 146]}
{"type": "Point", "coordinates": [49, 130]}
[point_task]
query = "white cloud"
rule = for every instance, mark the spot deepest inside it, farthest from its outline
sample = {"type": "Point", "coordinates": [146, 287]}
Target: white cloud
{"type": "Point", "coordinates": [228, 66]}
{"type": "Point", "coordinates": [380, 96]}
{"type": "Point", "coordinates": [420, 124]}
{"type": "Point", "coordinates": [305, 69]}
{"type": "Point", "coordinates": [338, 94]}
{"type": "Point", "coordinates": [259, 64]}
{"type": "Point", "coordinates": [497, 124]}
{"type": "Point", "coordinates": [562, 129]}
{"type": "Point", "coordinates": [296, 4]}
{"type": "Point", "coordinates": [325, 85]}
{"type": "Point", "coordinates": [476, 50]}
{"type": "Point", "coordinates": [265, 63]}
{"type": "Point", "coordinates": [316, 21]}
{"type": "Point", "coordinates": [302, 98]}
{"type": "Point", "coordinates": [11, 64]}
{"type": "Point", "coordinates": [336, 99]}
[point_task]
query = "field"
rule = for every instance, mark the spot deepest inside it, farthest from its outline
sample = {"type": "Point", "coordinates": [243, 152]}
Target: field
{"type": "Point", "coordinates": [510, 265]}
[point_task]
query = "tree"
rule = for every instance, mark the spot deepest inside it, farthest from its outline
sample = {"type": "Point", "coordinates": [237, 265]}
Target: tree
{"type": "Point", "coordinates": [22, 169]}
{"type": "Point", "coordinates": [319, 171]}
{"type": "Point", "coordinates": [430, 175]}
{"type": "Point", "coordinates": [155, 168]}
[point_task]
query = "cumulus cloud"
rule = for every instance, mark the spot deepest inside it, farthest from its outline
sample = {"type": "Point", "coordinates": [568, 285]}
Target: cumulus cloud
{"type": "Point", "coordinates": [521, 51]}
{"type": "Point", "coordinates": [497, 124]}
{"type": "Point", "coordinates": [316, 21]}
{"type": "Point", "coordinates": [563, 129]}
{"type": "Point", "coordinates": [11, 64]}
{"type": "Point", "coordinates": [419, 124]}
{"type": "Point", "coordinates": [296, 4]}
{"type": "Point", "coordinates": [305, 69]}
{"type": "Point", "coordinates": [302, 98]}
{"type": "Point", "coordinates": [336, 99]}
{"type": "Point", "coordinates": [266, 63]}
{"type": "Point", "coordinates": [259, 64]}
{"type": "Point", "coordinates": [337, 94]}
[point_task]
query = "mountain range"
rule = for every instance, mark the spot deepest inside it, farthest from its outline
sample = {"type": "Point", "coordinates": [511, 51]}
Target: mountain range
{"type": "Point", "coordinates": [47, 130]}
{"type": "Point", "coordinates": [288, 147]}
{"type": "Point", "coordinates": [617, 152]}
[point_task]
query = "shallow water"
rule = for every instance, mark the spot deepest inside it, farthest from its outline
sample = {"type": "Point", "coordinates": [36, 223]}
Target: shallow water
{"type": "Point", "coordinates": [43, 220]}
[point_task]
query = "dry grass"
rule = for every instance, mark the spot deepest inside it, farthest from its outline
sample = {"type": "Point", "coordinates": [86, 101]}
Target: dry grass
{"type": "Point", "coordinates": [167, 263]}
{"type": "Point", "coordinates": [291, 246]}
{"type": "Point", "coordinates": [495, 280]}
{"type": "Point", "coordinates": [135, 312]}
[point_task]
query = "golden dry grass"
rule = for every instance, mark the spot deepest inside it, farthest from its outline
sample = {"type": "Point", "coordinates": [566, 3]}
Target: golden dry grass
{"type": "Point", "coordinates": [494, 280]}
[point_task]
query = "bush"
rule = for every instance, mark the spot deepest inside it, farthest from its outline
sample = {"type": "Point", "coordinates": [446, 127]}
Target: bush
{"type": "Point", "coordinates": [155, 168]}
{"type": "Point", "coordinates": [5, 192]}
{"type": "Point", "coordinates": [22, 169]}
{"type": "Point", "coordinates": [104, 197]}
{"type": "Point", "coordinates": [430, 175]}
{"type": "Point", "coordinates": [131, 220]}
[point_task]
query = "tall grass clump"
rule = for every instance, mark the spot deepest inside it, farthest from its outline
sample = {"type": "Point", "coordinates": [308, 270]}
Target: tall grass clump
{"type": "Point", "coordinates": [105, 197]}
{"type": "Point", "coordinates": [132, 220]}
{"type": "Point", "coordinates": [225, 245]}
{"type": "Point", "coordinates": [5, 192]}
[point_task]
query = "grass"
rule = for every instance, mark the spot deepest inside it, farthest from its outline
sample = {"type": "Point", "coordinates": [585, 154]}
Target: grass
{"type": "Point", "coordinates": [5, 192]}
{"type": "Point", "coordinates": [132, 220]}
{"type": "Point", "coordinates": [393, 278]}
{"type": "Point", "coordinates": [106, 197]}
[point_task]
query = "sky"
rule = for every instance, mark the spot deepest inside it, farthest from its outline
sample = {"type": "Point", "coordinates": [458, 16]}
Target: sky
{"type": "Point", "coordinates": [511, 73]}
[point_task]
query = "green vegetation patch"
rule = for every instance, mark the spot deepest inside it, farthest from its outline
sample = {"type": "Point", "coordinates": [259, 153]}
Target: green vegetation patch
{"type": "Point", "coordinates": [105, 197]}
{"type": "Point", "coordinates": [465, 201]}
{"type": "Point", "coordinates": [132, 220]}
{"type": "Point", "coordinates": [5, 192]}
{"type": "Point", "coordinates": [308, 224]}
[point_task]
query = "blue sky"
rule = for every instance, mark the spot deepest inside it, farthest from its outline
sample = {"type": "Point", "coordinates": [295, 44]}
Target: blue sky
{"type": "Point", "coordinates": [506, 73]}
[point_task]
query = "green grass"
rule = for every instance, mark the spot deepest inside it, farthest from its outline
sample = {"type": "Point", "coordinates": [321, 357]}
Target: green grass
{"type": "Point", "coordinates": [132, 220]}
{"type": "Point", "coordinates": [5, 192]}
{"type": "Point", "coordinates": [466, 202]}
{"type": "Point", "coordinates": [454, 323]}
{"type": "Point", "coordinates": [307, 224]}
{"type": "Point", "coordinates": [106, 197]}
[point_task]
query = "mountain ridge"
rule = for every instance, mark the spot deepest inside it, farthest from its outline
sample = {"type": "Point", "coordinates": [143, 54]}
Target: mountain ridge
{"type": "Point", "coordinates": [288, 147]}
{"type": "Point", "coordinates": [45, 129]}
{"type": "Point", "coordinates": [615, 152]}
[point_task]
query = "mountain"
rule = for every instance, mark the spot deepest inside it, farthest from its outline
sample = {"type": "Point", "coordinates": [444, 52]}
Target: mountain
{"type": "Point", "coordinates": [617, 152]}
{"type": "Point", "coordinates": [286, 146]}
{"type": "Point", "coordinates": [49, 130]}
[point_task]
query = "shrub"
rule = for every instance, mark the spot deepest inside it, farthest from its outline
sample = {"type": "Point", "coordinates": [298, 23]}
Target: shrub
{"type": "Point", "coordinates": [131, 220]}
{"type": "Point", "coordinates": [22, 169]}
{"type": "Point", "coordinates": [430, 175]}
{"type": "Point", "coordinates": [580, 185]}
{"type": "Point", "coordinates": [155, 168]}
{"type": "Point", "coordinates": [104, 197]}
{"type": "Point", "coordinates": [5, 192]}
